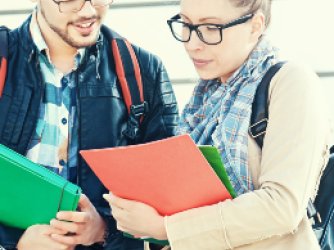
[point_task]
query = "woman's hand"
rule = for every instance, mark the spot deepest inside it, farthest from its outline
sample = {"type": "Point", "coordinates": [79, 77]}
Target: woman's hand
{"type": "Point", "coordinates": [136, 218]}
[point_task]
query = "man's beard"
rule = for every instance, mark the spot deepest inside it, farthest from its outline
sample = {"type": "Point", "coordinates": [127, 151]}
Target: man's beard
{"type": "Point", "coordinates": [66, 37]}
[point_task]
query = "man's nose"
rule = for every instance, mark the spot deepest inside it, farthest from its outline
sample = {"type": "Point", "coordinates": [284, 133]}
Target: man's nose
{"type": "Point", "coordinates": [87, 9]}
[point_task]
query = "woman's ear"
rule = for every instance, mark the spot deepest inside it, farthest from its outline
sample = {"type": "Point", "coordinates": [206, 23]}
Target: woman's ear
{"type": "Point", "coordinates": [258, 26]}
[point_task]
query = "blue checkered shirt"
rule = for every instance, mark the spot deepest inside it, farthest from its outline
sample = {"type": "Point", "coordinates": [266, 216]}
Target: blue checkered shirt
{"type": "Point", "coordinates": [54, 143]}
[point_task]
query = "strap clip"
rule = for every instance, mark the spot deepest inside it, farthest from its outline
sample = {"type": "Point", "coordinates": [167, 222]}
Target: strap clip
{"type": "Point", "coordinates": [136, 113]}
{"type": "Point", "coordinates": [259, 128]}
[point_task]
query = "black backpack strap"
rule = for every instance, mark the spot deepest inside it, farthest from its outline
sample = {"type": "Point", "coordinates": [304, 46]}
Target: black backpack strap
{"type": "Point", "coordinates": [3, 57]}
{"type": "Point", "coordinates": [259, 120]}
{"type": "Point", "coordinates": [259, 116]}
{"type": "Point", "coordinates": [129, 76]}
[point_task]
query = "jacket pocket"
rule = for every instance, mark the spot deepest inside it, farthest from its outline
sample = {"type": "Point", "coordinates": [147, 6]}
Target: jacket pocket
{"type": "Point", "coordinates": [5, 102]}
{"type": "Point", "coordinates": [17, 112]}
{"type": "Point", "coordinates": [103, 90]}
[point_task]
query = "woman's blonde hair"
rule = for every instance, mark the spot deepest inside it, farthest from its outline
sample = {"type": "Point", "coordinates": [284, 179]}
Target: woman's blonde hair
{"type": "Point", "coordinates": [252, 6]}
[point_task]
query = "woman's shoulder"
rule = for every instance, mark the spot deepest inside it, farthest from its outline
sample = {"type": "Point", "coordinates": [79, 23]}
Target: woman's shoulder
{"type": "Point", "coordinates": [295, 78]}
{"type": "Point", "coordinates": [297, 90]}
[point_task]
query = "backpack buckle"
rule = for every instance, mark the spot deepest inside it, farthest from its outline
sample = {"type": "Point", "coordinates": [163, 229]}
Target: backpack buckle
{"type": "Point", "coordinates": [139, 110]}
{"type": "Point", "coordinates": [312, 212]}
{"type": "Point", "coordinates": [136, 113]}
{"type": "Point", "coordinates": [259, 128]}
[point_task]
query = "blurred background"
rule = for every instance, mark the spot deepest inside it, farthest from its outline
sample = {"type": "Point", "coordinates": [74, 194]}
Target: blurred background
{"type": "Point", "coordinates": [302, 29]}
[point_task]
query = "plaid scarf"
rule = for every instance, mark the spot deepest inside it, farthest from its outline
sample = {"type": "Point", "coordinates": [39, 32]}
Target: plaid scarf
{"type": "Point", "coordinates": [219, 114]}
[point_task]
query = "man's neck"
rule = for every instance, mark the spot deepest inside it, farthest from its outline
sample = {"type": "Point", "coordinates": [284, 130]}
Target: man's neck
{"type": "Point", "coordinates": [61, 53]}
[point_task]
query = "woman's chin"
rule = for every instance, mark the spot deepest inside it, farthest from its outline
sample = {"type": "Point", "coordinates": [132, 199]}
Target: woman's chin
{"type": "Point", "coordinates": [206, 77]}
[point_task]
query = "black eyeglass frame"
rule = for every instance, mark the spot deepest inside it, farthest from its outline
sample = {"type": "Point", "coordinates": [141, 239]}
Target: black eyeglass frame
{"type": "Point", "coordinates": [194, 27]}
{"type": "Point", "coordinates": [62, 2]}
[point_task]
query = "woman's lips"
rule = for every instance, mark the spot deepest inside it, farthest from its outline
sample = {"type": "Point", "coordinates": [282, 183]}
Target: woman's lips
{"type": "Point", "coordinates": [200, 62]}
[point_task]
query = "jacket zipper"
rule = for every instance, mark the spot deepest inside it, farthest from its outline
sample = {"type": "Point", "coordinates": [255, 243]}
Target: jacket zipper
{"type": "Point", "coordinates": [79, 124]}
{"type": "Point", "coordinates": [42, 87]}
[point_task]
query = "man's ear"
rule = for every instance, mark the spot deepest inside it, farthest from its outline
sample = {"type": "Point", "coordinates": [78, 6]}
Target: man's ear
{"type": "Point", "coordinates": [258, 26]}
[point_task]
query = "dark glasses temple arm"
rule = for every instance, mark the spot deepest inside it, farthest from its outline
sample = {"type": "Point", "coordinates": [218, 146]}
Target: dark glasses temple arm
{"type": "Point", "coordinates": [176, 17]}
{"type": "Point", "coordinates": [240, 20]}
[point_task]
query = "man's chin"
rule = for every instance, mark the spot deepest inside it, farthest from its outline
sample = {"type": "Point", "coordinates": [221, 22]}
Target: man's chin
{"type": "Point", "coordinates": [83, 42]}
{"type": "Point", "coordinates": [79, 40]}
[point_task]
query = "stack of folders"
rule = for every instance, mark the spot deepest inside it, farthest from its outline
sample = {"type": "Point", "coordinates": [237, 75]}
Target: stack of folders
{"type": "Point", "coordinates": [31, 194]}
{"type": "Point", "coordinates": [171, 175]}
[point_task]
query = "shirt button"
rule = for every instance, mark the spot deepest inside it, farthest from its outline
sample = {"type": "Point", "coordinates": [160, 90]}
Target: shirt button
{"type": "Point", "coordinates": [64, 81]}
{"type": "Point", "coordinates": [62, 163]}
{"type": "Point", "coordinates": [64, 121]}
{"type": "Point", "coordinates": [92, 58]}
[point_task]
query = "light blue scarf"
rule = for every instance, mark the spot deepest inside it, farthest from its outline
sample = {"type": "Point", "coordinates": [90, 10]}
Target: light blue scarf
{"type": "Point", "coordinates": [219, 114]}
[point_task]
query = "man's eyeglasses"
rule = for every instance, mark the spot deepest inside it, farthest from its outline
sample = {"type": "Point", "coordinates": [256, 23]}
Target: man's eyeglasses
{"type": "Point", "coordinates": [66, 6]}
{"type": "Point", "coordinates": [211, 34]}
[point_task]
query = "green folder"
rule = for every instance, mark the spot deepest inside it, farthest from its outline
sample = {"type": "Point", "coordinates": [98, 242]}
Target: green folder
{"type": "Point", "coordinates": [31, 194]}
{"type": "Point", "coordinates": [212, 155]}
{"type": "Point", "coordinates": [151, 240]}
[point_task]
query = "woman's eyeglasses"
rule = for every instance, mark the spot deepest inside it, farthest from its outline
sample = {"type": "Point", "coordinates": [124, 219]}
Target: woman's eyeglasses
{"type": "Point", "coordinates": [211, 34]}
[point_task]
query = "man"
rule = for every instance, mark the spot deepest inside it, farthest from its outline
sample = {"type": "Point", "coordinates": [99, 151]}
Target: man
{"type": "Point", "coordinates": [62, 95]}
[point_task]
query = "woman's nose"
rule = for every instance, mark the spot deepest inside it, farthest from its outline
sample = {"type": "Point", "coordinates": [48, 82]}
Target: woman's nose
{"type": "Point", "coordinates": [195, 43]}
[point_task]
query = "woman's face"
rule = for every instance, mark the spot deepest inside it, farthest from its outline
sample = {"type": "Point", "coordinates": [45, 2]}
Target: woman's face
{"type": "Point", "coordinates": [218, 61]}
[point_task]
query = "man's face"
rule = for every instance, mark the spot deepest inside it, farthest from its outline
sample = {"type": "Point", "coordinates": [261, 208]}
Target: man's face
{"type": "Point", "coordinates": [77, 29]}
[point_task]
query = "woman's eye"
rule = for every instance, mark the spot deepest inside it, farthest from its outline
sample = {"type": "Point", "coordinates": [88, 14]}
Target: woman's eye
{"type": "Point", "coordinates": [212, 28]}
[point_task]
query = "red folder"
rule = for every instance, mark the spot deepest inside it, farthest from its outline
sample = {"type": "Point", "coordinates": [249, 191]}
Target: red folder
{"type": "Point", "coordinates": [170, 175]}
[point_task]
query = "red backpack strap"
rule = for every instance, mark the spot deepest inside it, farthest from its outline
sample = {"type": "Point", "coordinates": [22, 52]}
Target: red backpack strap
{"type": "Point", "coordinates": [3, 57]}
{"type": "Point", "coordinates": [128, 73]}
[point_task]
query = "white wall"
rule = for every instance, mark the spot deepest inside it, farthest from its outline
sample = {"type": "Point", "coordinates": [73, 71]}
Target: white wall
{"type": "Point", "coordinates": [301, 28]}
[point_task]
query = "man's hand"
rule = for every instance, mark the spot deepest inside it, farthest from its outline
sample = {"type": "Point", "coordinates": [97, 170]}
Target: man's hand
{"type": "Point", "coordinates": [85, 227]}
{"type": "Point", "coordinates": [38, 237]}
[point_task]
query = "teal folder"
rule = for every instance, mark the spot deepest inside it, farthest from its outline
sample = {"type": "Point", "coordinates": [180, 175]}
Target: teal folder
{"type": "Point", "coordinates": [31, 194]}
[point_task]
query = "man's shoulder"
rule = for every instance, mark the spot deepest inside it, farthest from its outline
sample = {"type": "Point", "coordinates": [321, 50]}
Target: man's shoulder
{"type": "Point", "coordinates": [13, 37]}
{"type": "Point", "coordinates": [150, 64]}
{"type": "Point", "coordinates": [19, 36]}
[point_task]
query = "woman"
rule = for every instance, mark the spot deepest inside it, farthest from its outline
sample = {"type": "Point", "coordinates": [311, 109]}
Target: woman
{"type": "Point", "coordinates": [225, 41]}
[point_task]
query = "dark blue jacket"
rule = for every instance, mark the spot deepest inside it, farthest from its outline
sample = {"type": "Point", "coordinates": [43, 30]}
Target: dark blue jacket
{"type": "Point", "coordinates": [102, 117]}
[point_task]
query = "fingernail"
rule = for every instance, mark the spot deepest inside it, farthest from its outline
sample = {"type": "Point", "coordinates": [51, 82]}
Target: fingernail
{"type": "Point", "coordinates": [59, 215]}
{"type": "Point", "coordinates": [107, 197]}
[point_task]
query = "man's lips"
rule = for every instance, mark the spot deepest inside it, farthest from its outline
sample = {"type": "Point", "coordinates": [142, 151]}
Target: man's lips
{"type": "Point", "coordinates": [85, 27]}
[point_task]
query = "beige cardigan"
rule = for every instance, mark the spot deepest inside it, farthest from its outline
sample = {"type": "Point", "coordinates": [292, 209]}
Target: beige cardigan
{"type": "Point", "coordinates": [285, 176]}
